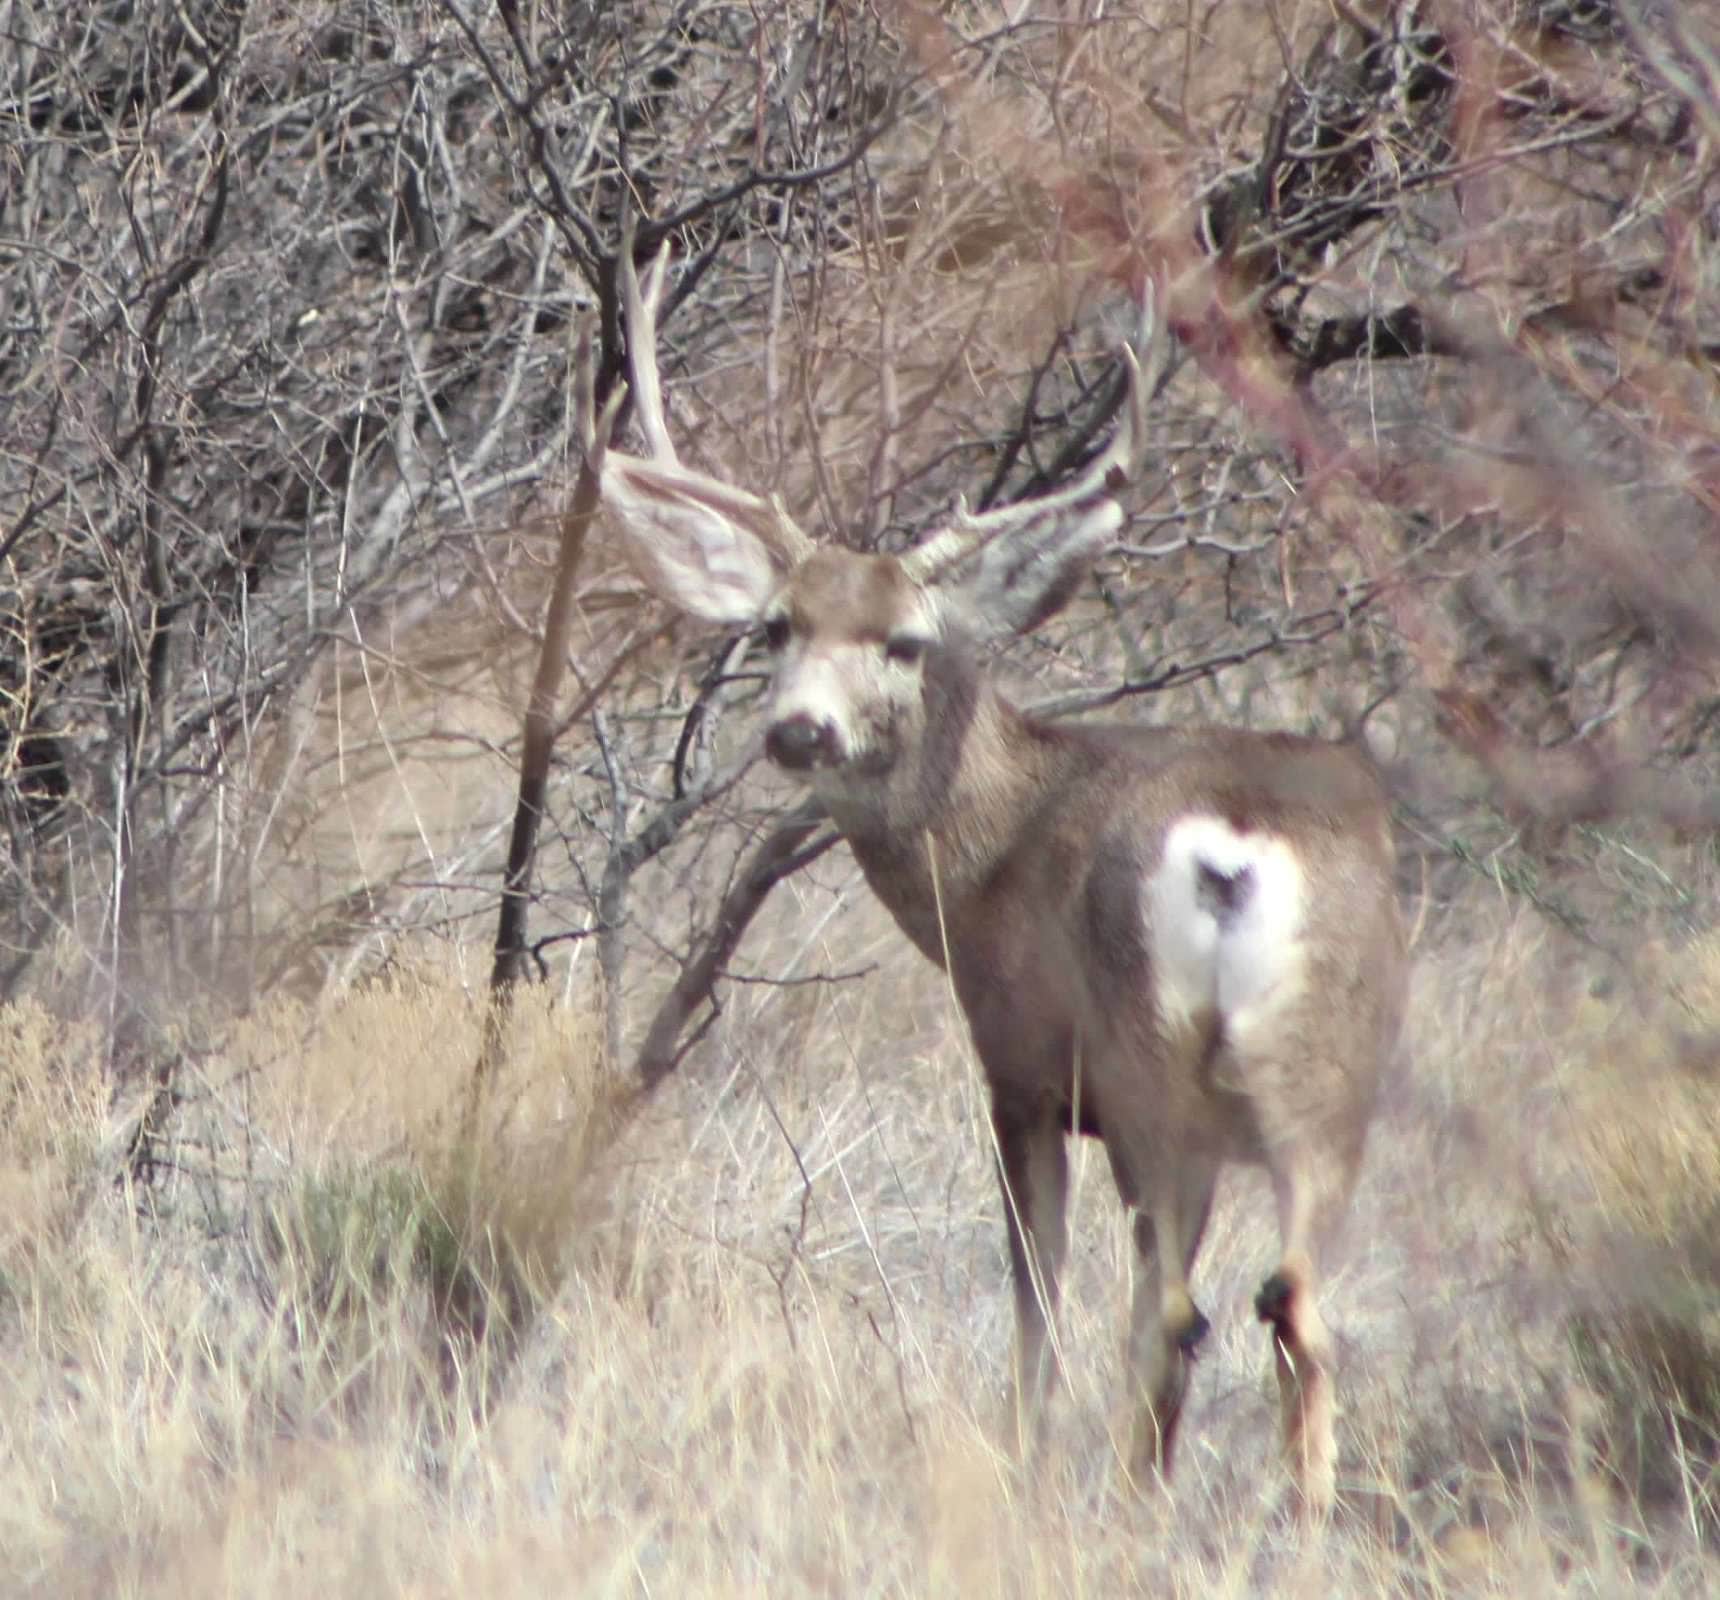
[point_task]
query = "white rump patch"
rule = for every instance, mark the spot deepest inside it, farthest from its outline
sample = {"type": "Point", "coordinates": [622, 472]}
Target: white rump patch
{"type": "Point", "coordinates": [1224, 916]}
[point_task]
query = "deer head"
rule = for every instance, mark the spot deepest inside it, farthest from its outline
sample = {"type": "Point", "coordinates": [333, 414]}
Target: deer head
{"type": "Point", "coordinates": [856, 638]}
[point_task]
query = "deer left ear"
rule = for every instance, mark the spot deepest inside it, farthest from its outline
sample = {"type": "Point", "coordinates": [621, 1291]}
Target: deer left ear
{"type": "Point", "coordinates": [1023, 575]}
{"type": "Point", "coordinates": [1009, 569]}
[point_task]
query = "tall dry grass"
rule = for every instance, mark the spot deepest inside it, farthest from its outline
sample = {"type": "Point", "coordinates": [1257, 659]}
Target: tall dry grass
{"type": "Point", "coordinates": [754, 1335]}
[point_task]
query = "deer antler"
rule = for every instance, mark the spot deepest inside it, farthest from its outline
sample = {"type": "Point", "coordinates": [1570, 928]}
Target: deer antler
{"type": "Point", "coordinates": [649, 490]}
{"type": "Point", "coordinates": [1078, 517]}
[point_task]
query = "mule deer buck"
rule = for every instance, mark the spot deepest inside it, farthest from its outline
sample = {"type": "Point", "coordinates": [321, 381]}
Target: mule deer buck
{"type": "Point", "coordinates": [1184, 942]}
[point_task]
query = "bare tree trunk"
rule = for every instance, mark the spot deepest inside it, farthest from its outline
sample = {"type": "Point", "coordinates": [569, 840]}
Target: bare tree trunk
{"type": "Point", "coordinates": [538, 741]}
{"type": "Point", "coordinates": [784, 852]}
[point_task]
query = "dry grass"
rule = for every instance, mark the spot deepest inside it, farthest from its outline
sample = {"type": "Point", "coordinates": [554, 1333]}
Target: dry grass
{"type": "Point", "coordinates": [757, 1336]}
{"type": "Point", "coordinates": [1648, 1335]}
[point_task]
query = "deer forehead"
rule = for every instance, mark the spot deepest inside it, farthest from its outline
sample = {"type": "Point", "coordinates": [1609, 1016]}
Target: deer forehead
{"type": "Point", "coordinates": [841, 595]}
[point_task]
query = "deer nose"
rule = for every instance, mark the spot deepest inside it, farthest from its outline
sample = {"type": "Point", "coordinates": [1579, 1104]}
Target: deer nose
{"type": "Point", "coordinates": [800, 742]}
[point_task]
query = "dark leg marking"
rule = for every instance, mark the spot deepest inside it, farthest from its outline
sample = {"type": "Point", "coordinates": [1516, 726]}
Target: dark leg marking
{"type": "Point", "coordinates": [1189, 1336]}
{"type": "Point", "coordinates": [1272, 1304]}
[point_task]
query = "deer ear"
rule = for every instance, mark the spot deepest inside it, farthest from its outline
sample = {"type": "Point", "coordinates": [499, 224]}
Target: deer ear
{"type": "Point", "coordinates": [685, 543]}
{"type": "Point", "coordinates": [701, 544]}
{"type": "Point", "coordinates": [1008, 570]}
{"type": "Point", "coordinates": [1020, 574]}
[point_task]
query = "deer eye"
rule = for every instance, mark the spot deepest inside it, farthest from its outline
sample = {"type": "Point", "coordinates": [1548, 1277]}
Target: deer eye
{"type": "Point", "coordinates": [776, 632]}
{"type": "Point", "coordinates": [905, 650]}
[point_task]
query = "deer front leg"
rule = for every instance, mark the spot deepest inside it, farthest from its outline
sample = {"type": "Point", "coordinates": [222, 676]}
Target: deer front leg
{"type": "Point", "coordinates": [1033, 1170]}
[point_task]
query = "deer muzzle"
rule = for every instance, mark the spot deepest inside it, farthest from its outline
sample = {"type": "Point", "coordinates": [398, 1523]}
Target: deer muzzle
{"type": "Point", "coordinates": [800, 742]}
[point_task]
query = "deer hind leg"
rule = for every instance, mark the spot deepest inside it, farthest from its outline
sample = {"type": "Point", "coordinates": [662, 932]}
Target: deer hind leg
{"type": "Point", "coordinates": [1033, 1169]}
{"type": "Point", "coordinates": [1165, 1325]}
{"type": "Point", "coordinates": [1301, 1345]}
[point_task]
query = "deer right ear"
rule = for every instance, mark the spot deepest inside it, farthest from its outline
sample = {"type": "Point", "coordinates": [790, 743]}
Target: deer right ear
{"type": "Point", "coordinates": [686, 543]}
{"type": "Point", "coordinates": [701, 544]}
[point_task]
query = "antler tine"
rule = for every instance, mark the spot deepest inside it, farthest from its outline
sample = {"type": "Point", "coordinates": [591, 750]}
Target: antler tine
{"type": "Point", "coordinates": [652, 484]}
{"type": "Point", "coordinates": [641, 307]}
{"type": "Point", "coordinates": [1145, 358]}
{"type": "Point", "coordinates": [1147, 352]}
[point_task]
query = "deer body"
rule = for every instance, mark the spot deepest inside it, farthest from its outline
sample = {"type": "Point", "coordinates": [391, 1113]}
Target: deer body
{"type": "Point", "coordinates": [1185, 942]}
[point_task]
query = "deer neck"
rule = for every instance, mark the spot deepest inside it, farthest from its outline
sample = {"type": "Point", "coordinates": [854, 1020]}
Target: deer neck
{"type": "Point", "coordinates": [933, 833]}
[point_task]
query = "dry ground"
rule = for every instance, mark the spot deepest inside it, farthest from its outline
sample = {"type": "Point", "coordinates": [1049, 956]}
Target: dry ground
{"type": "Point", "coordinates": [762, 1323]}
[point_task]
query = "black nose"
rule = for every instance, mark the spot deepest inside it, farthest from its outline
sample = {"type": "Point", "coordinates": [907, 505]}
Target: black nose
{"type": "Point", "coordinates": [800, 742]}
